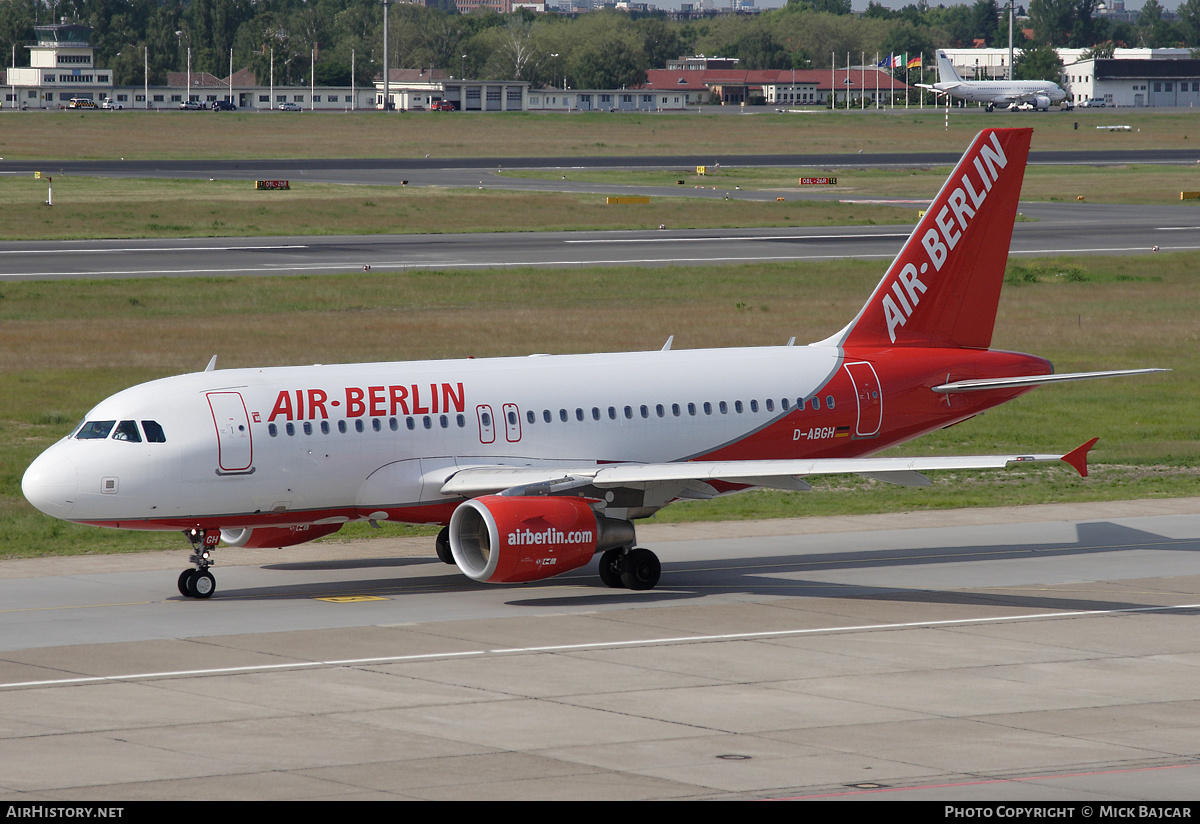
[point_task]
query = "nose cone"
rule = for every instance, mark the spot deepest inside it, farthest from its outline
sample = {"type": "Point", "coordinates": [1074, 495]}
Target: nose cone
{"type": "Point", "coordinates": [51, 483]}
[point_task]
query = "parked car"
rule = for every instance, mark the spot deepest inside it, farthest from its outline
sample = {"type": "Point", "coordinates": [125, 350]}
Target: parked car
{"type": "Point", "coordinates": [444, 106]}
{"type": "Point", "coordinates": [224, 106]}
{"type": "Point", "coordinates": [191, 105]}
{"type": "Point", "coordinates": [1092, 103]}
{"type": "Point", "coordinates": [290, 107]}
{"type": "Point", "coordinates": [82, 103]}
{"type": "Point", "coordinates": [110, 106]}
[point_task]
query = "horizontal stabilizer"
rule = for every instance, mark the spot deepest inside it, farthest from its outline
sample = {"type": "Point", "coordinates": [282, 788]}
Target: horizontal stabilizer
{"type": "Point", "coordinates": [983, 384]}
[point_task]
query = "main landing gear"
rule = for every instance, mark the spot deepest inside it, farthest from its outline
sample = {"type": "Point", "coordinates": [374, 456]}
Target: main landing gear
{"type": "Point", "coordinates": [442, 545]}
{"type": "Point", "coordinates": [636, 568]}
{"type": "Point", "coordinates": [199, 582]}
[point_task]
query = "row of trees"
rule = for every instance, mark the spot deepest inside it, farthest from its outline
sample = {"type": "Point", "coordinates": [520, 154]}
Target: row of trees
{"type": "Point", "coordinates": [597, 50]}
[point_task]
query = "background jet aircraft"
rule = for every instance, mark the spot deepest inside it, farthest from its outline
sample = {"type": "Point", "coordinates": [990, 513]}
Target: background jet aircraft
{"type": "Point", "coordinates": [1040, 94]}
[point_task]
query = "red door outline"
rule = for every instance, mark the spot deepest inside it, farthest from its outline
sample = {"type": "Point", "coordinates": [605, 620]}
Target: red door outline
{"type": "Point", "coordinates": [235, 447]}
{"type": "Point", "coordinates": [512, 422]}
{"type": "Point", "coordinates": [869, 396]}
{"type": "Point", "coordinates": [487, 423]}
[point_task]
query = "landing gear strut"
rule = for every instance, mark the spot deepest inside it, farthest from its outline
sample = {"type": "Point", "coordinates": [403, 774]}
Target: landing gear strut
{"type": "Point", "coordinates": [199, 582]}
{"type": "Point", "coordinates": [637, 568]}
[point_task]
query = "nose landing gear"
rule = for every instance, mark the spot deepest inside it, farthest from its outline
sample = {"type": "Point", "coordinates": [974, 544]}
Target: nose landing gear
{"type": "Point", "coordinates": [199, 582]}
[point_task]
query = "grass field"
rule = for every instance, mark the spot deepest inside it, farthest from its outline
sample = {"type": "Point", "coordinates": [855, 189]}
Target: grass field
{"type": "Point", "coordinates": [64, 345]}
{"type": "Point", "coordinates": [199, 135]}
{"type": "Point", "coordinates": [1132, 184]}
{"type": "Point", "coordinates": [86, 207]}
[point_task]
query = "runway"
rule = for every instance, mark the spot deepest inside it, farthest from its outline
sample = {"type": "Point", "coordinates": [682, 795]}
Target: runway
{"type": "Point", "coordinates": [1029, 653]}
{"type": "Point", "coordinates": [1049, 230]}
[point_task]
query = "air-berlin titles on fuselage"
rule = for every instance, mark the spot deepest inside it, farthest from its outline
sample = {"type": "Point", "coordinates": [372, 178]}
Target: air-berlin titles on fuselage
{"type": "Point", "coordinates": [373, 401]}
{"type": "Point", "coordinates": [907, 286]}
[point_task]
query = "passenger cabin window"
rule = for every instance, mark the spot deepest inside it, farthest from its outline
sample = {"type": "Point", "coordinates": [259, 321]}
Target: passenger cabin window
{"type": "Point", "coordinates": [95, 430]}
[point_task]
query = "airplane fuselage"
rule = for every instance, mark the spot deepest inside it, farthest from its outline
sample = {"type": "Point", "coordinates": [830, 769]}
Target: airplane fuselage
{"type": "Point", "coordinates": [350, 442]}
{"type": "Point", "coordinates": [1001, 92]}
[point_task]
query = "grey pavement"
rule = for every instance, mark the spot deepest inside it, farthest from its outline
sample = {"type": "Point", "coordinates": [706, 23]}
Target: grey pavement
{"type": "Point", "coordinates": [1028, 653]}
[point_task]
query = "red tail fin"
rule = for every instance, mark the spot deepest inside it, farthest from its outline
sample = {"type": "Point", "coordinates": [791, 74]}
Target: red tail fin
{"type": "Point", "coordinates": [944, 286]}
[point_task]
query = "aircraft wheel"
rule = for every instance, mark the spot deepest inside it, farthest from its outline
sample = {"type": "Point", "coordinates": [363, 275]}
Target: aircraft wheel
{"type": "Point", "coordinates": [442, 545]}
{"type": "Point", "coordinates": [202, 584]}
{"type": "Point", "coordinates": [990, 107]}
{"type": "Point", "coordinates": [610, 568]}
{"type": "Point", "coordinates": [641, 569]}
{"type": "Point", "coordinates": [185, 580]}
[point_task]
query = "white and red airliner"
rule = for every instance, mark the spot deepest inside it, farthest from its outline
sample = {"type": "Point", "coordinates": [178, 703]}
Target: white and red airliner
{"type": "Point", "coordinates": [536, 464]}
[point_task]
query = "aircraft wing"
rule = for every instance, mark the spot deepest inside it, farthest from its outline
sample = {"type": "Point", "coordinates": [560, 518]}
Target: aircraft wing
{"type": "Point", "coordinates": [785, 474]}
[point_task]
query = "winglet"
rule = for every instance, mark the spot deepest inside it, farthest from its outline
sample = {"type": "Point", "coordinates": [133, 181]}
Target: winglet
{"type": "Point", "coordinates": [1078, 457]}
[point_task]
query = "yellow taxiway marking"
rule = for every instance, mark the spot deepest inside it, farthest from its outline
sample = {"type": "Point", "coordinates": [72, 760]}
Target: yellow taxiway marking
{"type": "Point", "coordinates": [350, 599]}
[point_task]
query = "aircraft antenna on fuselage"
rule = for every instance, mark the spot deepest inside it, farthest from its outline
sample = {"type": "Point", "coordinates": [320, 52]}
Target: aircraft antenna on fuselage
{"type": "Point", "coordinates": [212, 364]}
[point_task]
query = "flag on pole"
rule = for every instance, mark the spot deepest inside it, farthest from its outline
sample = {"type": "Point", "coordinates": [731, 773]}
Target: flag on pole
{"type": "Point", "coordinates": [898, 61]}
{"type": "Point", "coordinates": [914, 63]}
{"type": "Point", "coordinates": [885, 63]}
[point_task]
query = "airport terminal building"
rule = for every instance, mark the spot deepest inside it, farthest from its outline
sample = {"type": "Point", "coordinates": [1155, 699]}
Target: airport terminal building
{"type": "Point", "coordinates": [61, 68]}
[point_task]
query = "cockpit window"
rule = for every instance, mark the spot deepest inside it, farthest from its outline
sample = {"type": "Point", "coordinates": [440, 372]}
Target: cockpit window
{"type": "Point", "coordinates": [94, 430]}
{"type": "Point", "coordinates": [127, 431]}
{"type": "Point", "coordinates": [154, 432]}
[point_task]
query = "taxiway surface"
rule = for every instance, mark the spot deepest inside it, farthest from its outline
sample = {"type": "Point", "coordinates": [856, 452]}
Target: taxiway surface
{"type": "Point", "coordinates": [1030, 653]}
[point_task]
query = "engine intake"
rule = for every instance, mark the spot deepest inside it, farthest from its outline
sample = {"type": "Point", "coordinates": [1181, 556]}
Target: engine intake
{"type": "Point", "coordinates": [501, 540]}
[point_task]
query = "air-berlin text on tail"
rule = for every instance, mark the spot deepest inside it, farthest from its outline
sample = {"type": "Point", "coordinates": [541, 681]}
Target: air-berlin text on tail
{"type": "Point", "coordinates": [375, 401]}
{"type": "Point", "coordinates": [949, 221]}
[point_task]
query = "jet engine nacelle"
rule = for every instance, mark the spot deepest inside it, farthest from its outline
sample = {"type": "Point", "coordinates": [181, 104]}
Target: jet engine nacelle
{"type": "Point", "coordinates": [498, 539]}
{"type": "Point", "coordinates": [1041, 102]}
{"type": "Point", "coordinates": [260, 537]}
